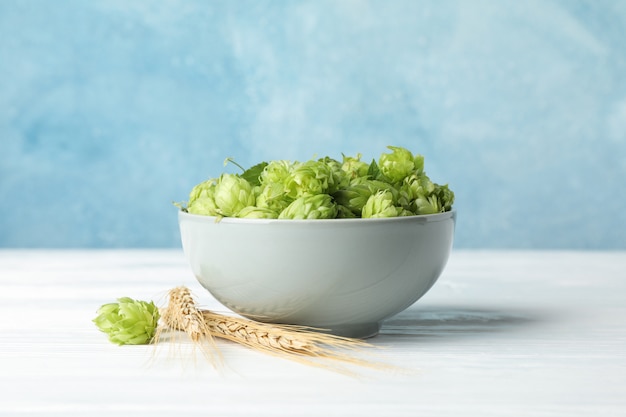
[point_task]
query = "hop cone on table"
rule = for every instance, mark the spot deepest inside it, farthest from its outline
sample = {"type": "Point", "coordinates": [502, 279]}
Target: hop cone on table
{"type": "Point", "coordinates": [128, 321]}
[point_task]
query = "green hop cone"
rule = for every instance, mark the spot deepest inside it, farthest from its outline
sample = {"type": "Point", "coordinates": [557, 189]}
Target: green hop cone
{"type": "Point", "coordinates": [232, 194]}
{"type": "Point", "coordinates": [382, 204]}
{"type": "Point", "coordinates": [204, 206]}
{"type": "Point", "coordinates": [338, 177]}
{"type": "Point", "coordinates": [354, 167]}
{"type": "Point", "coordinates": [418, 186]}
{"type": "Point", "coordinates": [353, 197]}
{"type": "Point", "coordinates": [276, 171]}
{"type": "Point", "coordinates": [428, 205]}
{"type": "Point", "coordinates": [202, 190]}
{"type": "Point", "coordinates": [319, 206]}
{"type": "Point", "coordinates": [310, 177]}
{"type": "Point", "coordinates": [397, 165]}
{"type": "Point", "coordinates": [445, 195]}
{"type": "Point", "coordinates": [271, 196]}
{"type": "Point", "coordinates": [252, 212]}
{"type": "Point", "coordinates": [128, 322]}
{"type": "Point", "coordinates": [201, 199]}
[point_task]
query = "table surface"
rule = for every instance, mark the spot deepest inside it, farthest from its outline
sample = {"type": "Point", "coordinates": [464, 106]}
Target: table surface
{"type": "Point", "coordinates": [502, 333]}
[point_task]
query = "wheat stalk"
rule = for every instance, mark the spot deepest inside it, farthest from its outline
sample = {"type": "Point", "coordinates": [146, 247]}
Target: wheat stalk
{"type": "Point", "coordinates": [294, 342]}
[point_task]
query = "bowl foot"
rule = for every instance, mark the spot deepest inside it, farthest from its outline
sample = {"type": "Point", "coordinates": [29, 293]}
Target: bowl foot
{"type": "Point", "coordinates": [356, 331]}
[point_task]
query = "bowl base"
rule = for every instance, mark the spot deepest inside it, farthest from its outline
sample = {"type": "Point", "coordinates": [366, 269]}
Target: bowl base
{"type": "Point", "coordinates": [355, 331]}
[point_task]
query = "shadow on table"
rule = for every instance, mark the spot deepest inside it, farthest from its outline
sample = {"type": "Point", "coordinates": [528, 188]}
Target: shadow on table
{"type": "Point", "coordinates": [452, 322]}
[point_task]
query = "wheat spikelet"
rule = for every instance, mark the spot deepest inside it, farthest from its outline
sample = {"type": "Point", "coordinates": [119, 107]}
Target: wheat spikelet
{"type": "Point", "coordinates": [276, 338]}
{"type": "Point", "coordinates": [182, 313]}
{"type": "Point", "coordinates": [294, 342]}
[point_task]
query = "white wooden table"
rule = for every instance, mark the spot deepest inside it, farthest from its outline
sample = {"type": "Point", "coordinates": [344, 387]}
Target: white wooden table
{"type": "Point", "coordinates": [501, 334]}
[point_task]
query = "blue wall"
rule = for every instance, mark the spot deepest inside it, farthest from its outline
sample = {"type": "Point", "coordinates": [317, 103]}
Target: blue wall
{"type": "Point", "coordinates": [110, 110]}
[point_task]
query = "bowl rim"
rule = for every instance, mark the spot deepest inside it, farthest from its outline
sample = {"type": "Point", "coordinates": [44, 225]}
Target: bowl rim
{"type": "Point", "coordinates": [422, 218]}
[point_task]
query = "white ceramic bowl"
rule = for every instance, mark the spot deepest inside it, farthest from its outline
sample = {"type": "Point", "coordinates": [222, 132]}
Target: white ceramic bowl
{"type": "Point", "coordinates": [342, 275]}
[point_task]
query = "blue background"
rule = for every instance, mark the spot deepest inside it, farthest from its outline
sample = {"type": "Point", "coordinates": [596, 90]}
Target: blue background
{"type": "Point", "coordinates": [110, 110]}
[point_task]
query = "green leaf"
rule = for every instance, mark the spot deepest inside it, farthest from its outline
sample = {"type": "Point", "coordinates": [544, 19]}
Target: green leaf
{"type": "Point", "coordinates": [373, 172]}
{"type": "Point", "coordinates": [253, 174]}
